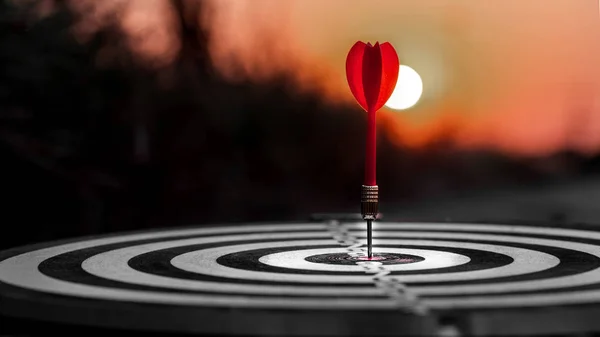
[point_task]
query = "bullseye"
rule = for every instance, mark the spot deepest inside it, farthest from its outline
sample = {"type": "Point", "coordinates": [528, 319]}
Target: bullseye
{"type": "Point", "coordinates": [347, 259]}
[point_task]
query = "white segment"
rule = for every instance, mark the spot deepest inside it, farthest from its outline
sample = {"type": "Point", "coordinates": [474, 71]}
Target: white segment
{"type": "Point", "coordinates": [21, 271]}
{"type": "Point", "coordinates": [296, 259]}
{"type": "Point", "coordinates": [204, 262]}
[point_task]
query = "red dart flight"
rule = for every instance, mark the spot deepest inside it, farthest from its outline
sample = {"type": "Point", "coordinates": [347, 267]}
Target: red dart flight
{"type": "Point", "coordinates": [372, 73]}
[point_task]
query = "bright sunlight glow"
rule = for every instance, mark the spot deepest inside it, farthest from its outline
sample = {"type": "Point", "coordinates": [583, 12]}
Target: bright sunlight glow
{"type": "Point", "coordinates": [408, 89]}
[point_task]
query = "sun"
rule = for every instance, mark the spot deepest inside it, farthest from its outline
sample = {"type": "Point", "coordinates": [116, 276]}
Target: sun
{"type": "Point", "coordinates": [408, 89]}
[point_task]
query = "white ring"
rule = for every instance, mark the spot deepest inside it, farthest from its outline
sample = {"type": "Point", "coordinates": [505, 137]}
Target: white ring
{"type": "Point", "coordinates": [204, 262]}
{"type": "Point", "coordinates": [296, 259]}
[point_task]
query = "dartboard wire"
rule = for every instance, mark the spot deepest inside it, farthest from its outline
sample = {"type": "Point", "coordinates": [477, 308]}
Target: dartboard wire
{"type": "Point", "coordinates": [398, 292]}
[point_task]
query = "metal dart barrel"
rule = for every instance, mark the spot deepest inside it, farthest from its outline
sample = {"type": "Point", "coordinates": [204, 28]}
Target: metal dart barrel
{"type": "Point", "coordinates": [369, 208]}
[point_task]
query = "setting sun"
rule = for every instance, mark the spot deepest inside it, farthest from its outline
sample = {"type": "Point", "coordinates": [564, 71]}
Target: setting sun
{"type": "Point", "coordinates": [408, 89]}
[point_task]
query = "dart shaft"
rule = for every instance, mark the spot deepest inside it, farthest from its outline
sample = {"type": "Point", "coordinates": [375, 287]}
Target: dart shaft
{"type": "Point", "coordinates": [371, 150]}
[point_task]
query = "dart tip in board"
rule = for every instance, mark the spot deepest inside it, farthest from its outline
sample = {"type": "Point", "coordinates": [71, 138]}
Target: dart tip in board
{"type": "Point", "coordinates": [370, 239]}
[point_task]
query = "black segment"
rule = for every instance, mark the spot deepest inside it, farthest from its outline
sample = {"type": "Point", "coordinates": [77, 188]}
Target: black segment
{"type": "Point", "coordinates": [352, 260]}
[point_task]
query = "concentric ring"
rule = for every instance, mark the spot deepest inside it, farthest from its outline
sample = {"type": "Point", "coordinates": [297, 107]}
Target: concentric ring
{"type": "Point", "coordinates": [204, 262]}
{"type": "Point", "coordinates": [454, 266]}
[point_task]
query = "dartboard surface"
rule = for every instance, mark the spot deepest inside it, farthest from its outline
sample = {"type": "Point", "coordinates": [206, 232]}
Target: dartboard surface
{"type": "Point", "coordinates": [313, 278]}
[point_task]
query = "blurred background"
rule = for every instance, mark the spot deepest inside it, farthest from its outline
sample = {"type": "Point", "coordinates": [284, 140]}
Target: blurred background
{"type": "Point", "coordinates": [132, 114]}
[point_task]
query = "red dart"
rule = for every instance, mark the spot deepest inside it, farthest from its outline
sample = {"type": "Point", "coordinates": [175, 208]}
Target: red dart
{"type": "Point", "coordinates": [372, 73]}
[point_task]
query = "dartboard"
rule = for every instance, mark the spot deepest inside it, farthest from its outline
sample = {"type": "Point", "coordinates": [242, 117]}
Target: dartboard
{"type": "Point", "coordinates": [313, 278]}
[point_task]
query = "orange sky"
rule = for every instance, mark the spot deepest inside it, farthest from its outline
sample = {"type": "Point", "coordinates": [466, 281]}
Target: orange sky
{"type": "Point", "coordinates": [515, 75]}
{"type": "Point", "coordinates": [512, 74]}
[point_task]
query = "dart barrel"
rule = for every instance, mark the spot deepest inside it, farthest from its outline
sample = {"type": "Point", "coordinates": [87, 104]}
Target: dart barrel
{"type": "Point", "coordinates": [369, 202]}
